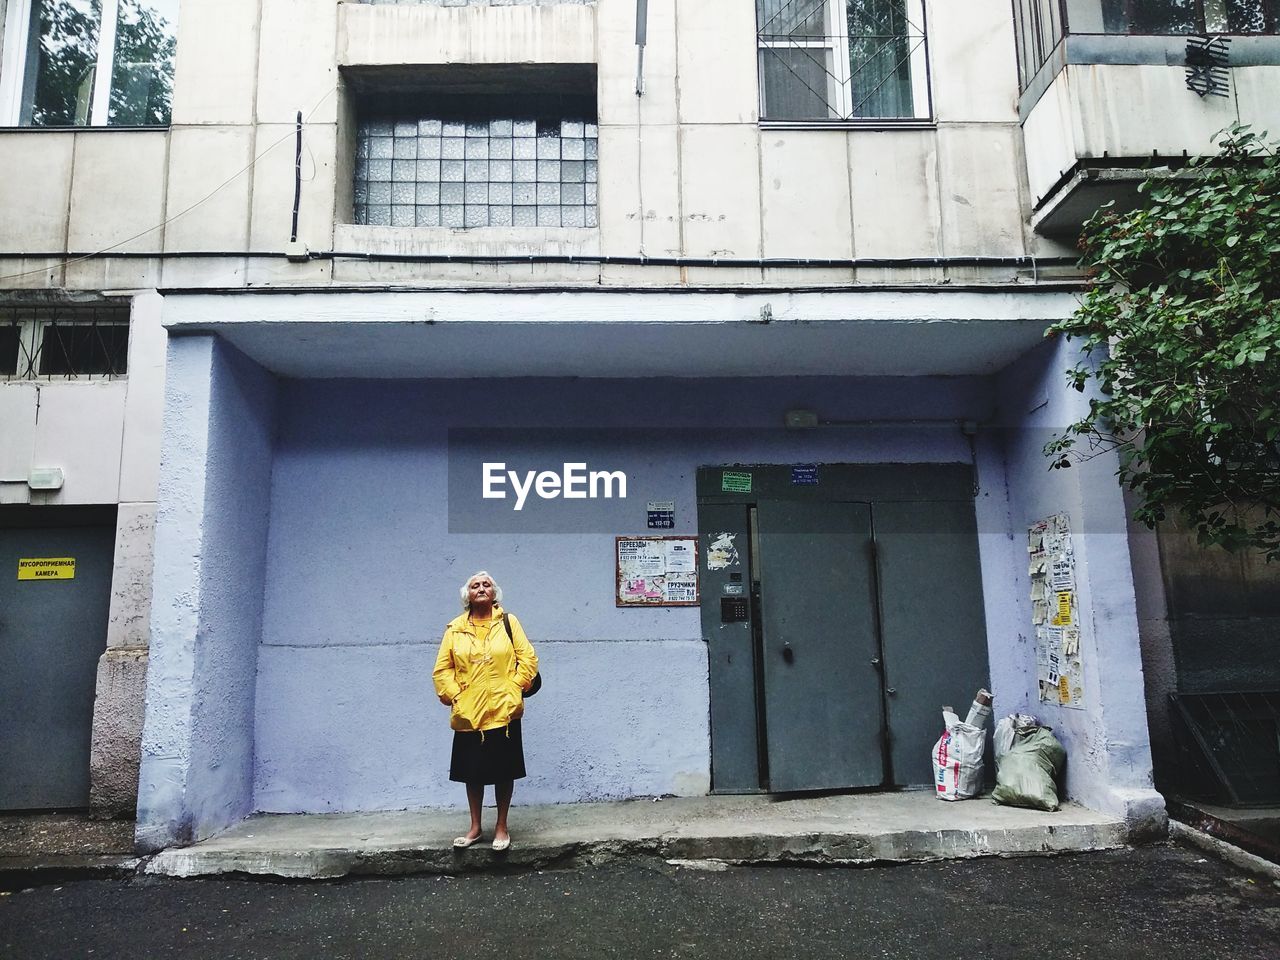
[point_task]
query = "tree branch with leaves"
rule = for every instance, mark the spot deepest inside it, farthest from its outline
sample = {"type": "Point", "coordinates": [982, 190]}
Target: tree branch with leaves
{"type": "Point", "coordinates": [1180, 331]}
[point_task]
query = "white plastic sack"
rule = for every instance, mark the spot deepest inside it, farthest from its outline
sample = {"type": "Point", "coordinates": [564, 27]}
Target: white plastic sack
{"type": "Point", "coordinates": [1002, 739]}
{"type": "Point", "coordinates": [957, 759]}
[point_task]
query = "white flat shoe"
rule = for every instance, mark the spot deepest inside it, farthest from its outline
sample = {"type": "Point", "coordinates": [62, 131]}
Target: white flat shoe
{"type": "Point", "coordinates": [500, 845]}
{"type": "Point", "coordinates": [464, 842]}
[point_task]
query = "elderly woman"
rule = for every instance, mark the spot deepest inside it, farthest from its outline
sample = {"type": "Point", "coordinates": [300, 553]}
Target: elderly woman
{"type": "Point", "coordinates": [486, 663]}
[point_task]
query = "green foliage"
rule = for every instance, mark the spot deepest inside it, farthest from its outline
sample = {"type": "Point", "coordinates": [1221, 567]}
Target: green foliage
{"type": "Point", "coordinates": [1181, 332]}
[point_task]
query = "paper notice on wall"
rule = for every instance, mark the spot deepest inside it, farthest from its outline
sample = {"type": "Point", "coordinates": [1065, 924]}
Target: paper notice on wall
{"type": "Point", "coordinates": [681, 556]}
{"type": "Point", "coordinates": [722, 552]}
{"type": "Point", "coordinates": [639, 557]}
{"type": "Point", "coordinates": [1054, 614]}
{"type": "Point", "coordinates": [682, 588]}
{"type": "Point", "coordinates": [1062, 572]}
{"type": "Point", "coordinates": [657, 571]}
{"type": "Point", "coordinates": [1062, 609]}
{"type": "Point", "coordinates": [1071, 641]}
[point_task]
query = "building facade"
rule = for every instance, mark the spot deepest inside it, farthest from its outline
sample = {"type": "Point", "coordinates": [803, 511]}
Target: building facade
{"type": "Point", "coordinates": [784, 267]}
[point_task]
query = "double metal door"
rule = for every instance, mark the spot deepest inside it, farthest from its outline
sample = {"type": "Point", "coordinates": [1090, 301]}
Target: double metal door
{"type": "Point", "coordinates": [866, 618]}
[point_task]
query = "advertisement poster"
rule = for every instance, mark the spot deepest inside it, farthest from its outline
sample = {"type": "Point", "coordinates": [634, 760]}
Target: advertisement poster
{"type": "Point", "coordinates": [657, 572]}
{"type": "Point", "coordinates": [1055, 615]}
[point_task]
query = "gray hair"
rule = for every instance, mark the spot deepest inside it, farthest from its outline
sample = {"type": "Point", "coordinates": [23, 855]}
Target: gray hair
{"type": "Point", "coordinates": [466, 600]}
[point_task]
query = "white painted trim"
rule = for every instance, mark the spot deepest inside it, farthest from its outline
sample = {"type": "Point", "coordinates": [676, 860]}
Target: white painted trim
{"type": "Point", "coordinates": [13, 66]}
{"type": "Point", "coordinates": [102, 72]}
{"type": "Point", "coordinates": [919, 61]}
{"type": "Point", "coordinates": [660, 308]}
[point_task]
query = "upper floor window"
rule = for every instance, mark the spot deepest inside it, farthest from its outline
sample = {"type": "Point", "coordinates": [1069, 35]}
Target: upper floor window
{"type": "Point", "coordinates": [1040, 25]}
{"type": "Point", "coordinates": [842, 60]}
{"type": "Point", "coordinates": [475, 145]}
{"type": "Point", "coordinates": [480, 171]}
{"type": "Point", "coordinates": [88, 63]}
{"type": "Point", "coordinates": [1173, 16]}
{"type": "Point", "coordinates": [64, 342]}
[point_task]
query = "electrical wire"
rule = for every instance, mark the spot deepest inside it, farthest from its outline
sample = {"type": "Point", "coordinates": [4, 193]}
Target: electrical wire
{"type": "Point", "coordinates": [181, 213]}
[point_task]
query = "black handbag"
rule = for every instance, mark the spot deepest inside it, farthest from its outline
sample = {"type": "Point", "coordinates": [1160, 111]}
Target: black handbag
{"type": "Point", "coordinates": [537, 677]}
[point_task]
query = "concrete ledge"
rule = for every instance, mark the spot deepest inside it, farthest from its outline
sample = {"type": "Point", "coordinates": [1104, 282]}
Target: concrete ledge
{"type": "Point", "coordinates": [880, 828]}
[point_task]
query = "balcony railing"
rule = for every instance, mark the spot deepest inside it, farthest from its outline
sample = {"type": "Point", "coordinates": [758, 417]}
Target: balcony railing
{"type": "Point", "coordinates": [1041, 25]}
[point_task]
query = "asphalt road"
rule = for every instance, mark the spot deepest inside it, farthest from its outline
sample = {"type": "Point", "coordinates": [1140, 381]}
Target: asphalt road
{"type": "Point", "coordinates": [1159, 902]}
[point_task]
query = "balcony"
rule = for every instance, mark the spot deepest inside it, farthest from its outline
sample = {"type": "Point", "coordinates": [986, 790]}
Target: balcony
{"type": "Point", "coordinates": [1110, 89]}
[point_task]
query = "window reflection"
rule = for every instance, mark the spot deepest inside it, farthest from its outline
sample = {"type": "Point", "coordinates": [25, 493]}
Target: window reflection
{"type": "Point", "coordinates": [75, 46]}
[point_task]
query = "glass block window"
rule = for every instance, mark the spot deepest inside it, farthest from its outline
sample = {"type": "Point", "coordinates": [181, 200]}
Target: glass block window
{"type": "Point", "coordinates": [508, 172]}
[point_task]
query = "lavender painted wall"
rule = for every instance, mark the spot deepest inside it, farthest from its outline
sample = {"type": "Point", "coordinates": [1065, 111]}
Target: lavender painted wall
{"type": "Point", "coordinates": [362, 575]}
{"type": "Point", "coordinates": [197, 763]}
{"type": "Point", "coordinates": [341, 613]}
{"type": "Point", "coordinates": [1109, 760]}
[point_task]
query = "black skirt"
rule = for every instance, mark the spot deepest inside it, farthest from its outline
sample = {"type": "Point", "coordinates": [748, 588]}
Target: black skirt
{"type": "Point", "coordinates": [492, 757]}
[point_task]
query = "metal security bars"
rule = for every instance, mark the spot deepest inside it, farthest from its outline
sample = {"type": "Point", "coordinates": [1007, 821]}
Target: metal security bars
{"type": "Point", "coordinates": [1230, 745]}
{"type": "Point", "coordinates": [481, 172]}
{"type": "Point", "coordinates": [842, 60]}
{"type": "Point", "coordinates": [63, 342]}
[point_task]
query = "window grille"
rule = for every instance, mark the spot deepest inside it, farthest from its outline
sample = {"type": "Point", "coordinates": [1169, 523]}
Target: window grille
{"type": "Point", "coordinates": [64, 343]}
{"type": "Point", "coordinates": [842, 60]}
{"type": "Point", "coordinates": [482, 172]}
{"type": "Point", "coordinates": [1230, 745]}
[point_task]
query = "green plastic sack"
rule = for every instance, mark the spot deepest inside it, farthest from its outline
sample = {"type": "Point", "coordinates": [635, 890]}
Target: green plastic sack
{"type": "Point", "coordinates": [1026, 773]}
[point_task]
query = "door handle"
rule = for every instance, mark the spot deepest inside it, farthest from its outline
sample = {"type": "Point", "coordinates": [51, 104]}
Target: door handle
{"type": "Point", "coordinates": [788, 655]}
{"type": "Point", "coordinates": [891, 691]}
{"type": "Point", "coordinates": [875, 661]}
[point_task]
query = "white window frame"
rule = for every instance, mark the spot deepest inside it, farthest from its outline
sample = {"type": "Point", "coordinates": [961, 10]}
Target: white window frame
{"type": "Point", "coordinates": [835, 43]}
{"type": "Point", "coordinates": [840, 100]}
{"type": "Point", "coordinates": [17, 45]}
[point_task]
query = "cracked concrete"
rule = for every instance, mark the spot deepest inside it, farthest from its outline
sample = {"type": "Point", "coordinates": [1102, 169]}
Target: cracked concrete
{"type": "Point", "coordinates": [866, 828]}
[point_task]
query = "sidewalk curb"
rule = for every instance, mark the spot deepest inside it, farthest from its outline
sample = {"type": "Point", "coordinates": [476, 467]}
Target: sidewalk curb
{"type": "Point", "coordinates": [40, 871]}
{"type": "Point", "coordinates": [812, 849]}
{"type": "Point", "coordinates": [1223, 850]}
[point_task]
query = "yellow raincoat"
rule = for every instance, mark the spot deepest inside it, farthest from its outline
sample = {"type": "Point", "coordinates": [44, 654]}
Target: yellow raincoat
{"type": "Point", "coordinates": [484, 677]}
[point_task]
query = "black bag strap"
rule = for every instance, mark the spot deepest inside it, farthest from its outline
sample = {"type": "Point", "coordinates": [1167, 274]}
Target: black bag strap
{"type": "Point", "coordinates": [506, 625]}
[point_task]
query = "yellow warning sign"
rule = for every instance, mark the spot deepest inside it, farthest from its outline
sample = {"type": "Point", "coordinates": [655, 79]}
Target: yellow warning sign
{"type": "Point", "coordinates": [1062, 618]}
{"type": "Point", "coordinates": [47, 568]}
{"type": "Point", "coordinates": [1064, 690]}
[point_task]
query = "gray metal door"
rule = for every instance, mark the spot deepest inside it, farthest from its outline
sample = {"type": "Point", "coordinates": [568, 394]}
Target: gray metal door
{"type": "Point", "coordinates": [728, 626]}
{"type": "Point", "coordinates": [933, 624]}
{"type": "Point", "coordinates": [822, 685]}
{"type": "Point", "coordinates": [52, 633]}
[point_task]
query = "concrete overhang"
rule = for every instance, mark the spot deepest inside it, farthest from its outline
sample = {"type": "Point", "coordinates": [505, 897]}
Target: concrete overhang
{"type": "Point", "coordinates": [415, 334]}
{"type": "Point", "coordinates": [1078, 197]}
